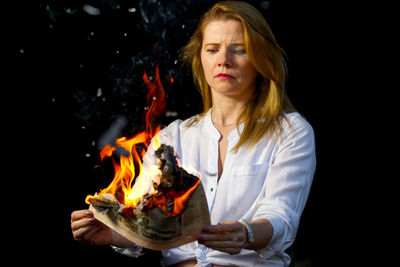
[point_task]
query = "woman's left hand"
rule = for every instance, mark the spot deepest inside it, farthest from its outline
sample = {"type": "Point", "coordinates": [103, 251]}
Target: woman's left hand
{"type": "Point", "coordinates": [228, 237]}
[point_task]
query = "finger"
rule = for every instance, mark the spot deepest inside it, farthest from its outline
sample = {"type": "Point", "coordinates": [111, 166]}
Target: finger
{"type": "Point", "coordinates": [223, 243]}
{"type": "Point", "coordinates": [223, 227]}
{"type": "Point", "coordinates": [80, 233]}
{"type": "Point", "coordinates": [215, 237]}
{"type": "Point", "coordinates": [233, 231]}
{"type": "Point", "coordinates": [233, 240]}
{"type": "Point", "coordinates": [84, 222]}
{"type": "Point", "coordinates": [227, 246]}
{"type": "Point", "coordinates": [79, 214]}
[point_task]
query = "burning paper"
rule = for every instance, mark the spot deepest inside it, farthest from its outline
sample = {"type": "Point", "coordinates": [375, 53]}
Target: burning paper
{"type": "Point", "coordinates": [172, 215]}
{"type": "Point", "coordinates": [159, 207]}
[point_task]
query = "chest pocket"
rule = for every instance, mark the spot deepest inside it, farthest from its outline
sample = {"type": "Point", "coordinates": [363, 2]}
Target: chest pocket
{"type": "Point", "coordinates": [250, 170]}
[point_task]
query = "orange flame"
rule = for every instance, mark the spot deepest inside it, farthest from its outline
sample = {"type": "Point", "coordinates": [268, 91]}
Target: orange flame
{"type": "Point", "coordinates": [126, 186]}
{"type": "Point", "coordinates": [155, 97]}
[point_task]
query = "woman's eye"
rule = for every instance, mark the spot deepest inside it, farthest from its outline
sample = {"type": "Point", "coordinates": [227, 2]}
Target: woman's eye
{"type": "Point", "coordinates": [211, 50]}
{"type": "Point", "coordinates": [239, 51]}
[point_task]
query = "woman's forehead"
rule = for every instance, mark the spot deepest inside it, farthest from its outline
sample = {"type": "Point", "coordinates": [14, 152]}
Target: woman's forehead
{"type": "Point", "coordinates": [219, 31]}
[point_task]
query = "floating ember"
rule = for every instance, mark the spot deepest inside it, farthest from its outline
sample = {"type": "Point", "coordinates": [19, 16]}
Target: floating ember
{"type": "Point", "coordinates": [161, 207]}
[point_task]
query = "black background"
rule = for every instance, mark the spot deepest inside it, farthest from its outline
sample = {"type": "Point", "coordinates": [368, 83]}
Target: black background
{"type": "Point", "coordinates": [53, 114]}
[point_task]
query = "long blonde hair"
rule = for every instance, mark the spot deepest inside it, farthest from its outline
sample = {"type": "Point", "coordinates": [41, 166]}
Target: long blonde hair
{"type": "Point", "coordinates": [269, 102]}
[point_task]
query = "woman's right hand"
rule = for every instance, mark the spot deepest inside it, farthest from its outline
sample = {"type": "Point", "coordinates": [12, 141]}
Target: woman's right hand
{"type": "Point", "coordinates": [88, 230]}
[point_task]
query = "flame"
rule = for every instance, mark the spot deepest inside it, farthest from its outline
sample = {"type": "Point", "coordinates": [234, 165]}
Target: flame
{"type": "Point", "coordinates": [128, 187]}
{"type": "Point", "coordinates": [180, 201]}
{"type": "Point", "coordinates": [155, 97]}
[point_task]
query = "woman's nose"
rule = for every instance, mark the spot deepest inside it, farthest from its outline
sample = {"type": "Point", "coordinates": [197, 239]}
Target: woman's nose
{"type": "Point", "coordinates": [224, 60]}
{"type": "Point", "coordinates": [226, 64]}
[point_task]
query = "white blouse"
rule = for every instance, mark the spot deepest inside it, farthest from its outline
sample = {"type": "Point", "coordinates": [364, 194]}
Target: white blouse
{"type": "Point", "coordinates": [271, 180]}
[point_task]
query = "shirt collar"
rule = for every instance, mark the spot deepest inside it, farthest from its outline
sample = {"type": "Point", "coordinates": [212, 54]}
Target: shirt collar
{"type": "Point", "coordinates": [210, 126]}
{"type": "Point", "coordinates": [233, 136]}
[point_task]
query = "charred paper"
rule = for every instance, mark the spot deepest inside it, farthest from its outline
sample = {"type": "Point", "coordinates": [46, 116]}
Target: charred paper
{"type": "Point", "coordinates": [154, 222]}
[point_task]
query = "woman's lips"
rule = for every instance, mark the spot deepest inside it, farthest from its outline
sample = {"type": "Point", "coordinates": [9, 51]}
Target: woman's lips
{"type": "Point", "coordinates": [224, 76]}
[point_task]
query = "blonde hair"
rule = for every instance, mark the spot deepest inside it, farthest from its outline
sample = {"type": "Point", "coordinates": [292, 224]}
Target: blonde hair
{"type": "Point", "coordinates": [269, 102]}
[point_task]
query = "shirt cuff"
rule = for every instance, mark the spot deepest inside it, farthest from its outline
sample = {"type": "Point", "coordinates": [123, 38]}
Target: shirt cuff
{"type": "Point", "coordinates": [277, 241]}
{"type": "Point", "coordinates": [135, 251]}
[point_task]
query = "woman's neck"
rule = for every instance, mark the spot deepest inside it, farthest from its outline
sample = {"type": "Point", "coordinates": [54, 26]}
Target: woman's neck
{"type": "Point", "coordinates": [226, 114]}
{"type": "Point", "coordinates": [226, 110]}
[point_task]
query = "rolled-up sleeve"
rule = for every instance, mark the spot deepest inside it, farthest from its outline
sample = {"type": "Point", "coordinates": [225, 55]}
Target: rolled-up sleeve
{"type": "Point", "coordinates": [287, 186]}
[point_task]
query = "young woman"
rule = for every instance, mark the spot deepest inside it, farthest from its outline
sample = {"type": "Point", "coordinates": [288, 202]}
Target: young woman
{"type": "Point", "coordinates": [256, 154]}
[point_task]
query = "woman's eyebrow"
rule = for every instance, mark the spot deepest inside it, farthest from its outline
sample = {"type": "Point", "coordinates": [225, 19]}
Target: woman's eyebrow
{"type": "Point", "coordinates": [233, 44]}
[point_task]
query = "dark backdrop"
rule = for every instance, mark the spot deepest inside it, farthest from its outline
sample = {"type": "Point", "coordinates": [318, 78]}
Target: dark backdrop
{"type": "Point", "coordinates": [78, 64]}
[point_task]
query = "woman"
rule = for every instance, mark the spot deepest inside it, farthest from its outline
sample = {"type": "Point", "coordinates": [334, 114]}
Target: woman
{"type": "Point", "coordinates": [255, 153]}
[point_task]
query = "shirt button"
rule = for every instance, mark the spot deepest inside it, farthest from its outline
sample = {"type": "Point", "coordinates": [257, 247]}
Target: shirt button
{"type": "Point", "coordinates": [212, 189]}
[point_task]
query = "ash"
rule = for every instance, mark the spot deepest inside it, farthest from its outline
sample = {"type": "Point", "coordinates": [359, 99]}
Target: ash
{"type": "Point", "coordinates": [173, 177]}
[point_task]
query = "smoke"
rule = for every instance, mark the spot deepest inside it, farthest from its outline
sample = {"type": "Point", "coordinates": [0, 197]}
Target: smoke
{"type": "Point", "coordinates": [91, 10]}
{"type": "Point", "coordinates": [114, 132]}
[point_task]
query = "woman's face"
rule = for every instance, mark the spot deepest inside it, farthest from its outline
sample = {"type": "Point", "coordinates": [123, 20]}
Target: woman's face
{"type": "Point", "coordinates": [226, 65]}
